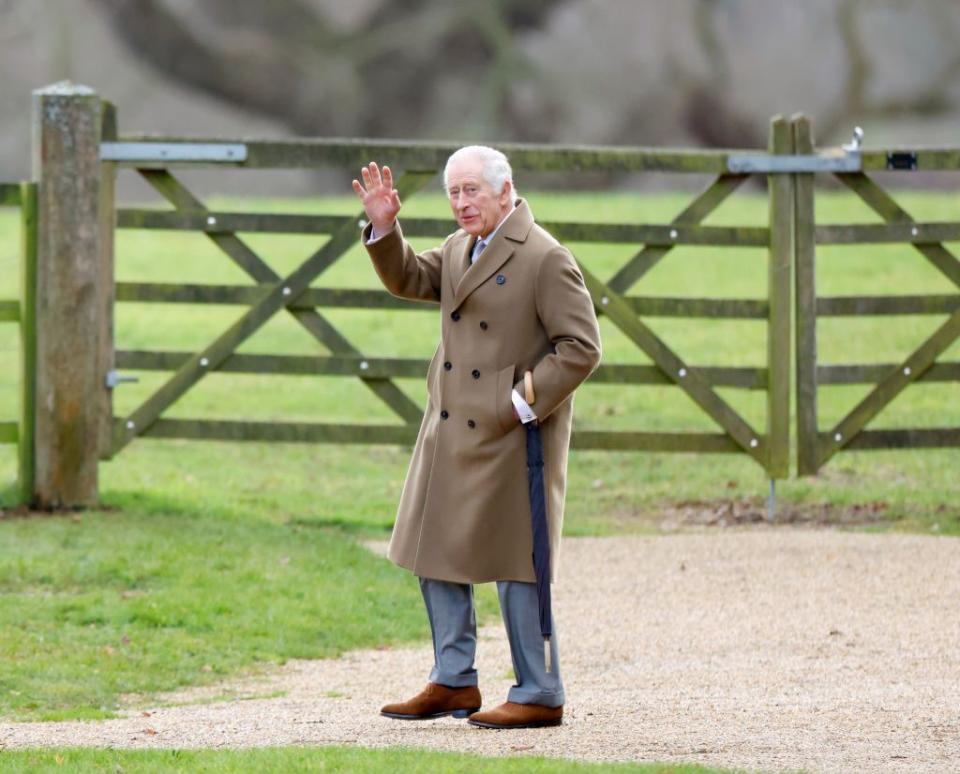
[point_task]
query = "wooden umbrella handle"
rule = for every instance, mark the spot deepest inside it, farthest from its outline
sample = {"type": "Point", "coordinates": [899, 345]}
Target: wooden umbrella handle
{"type": "Point", "coordinates": [528, 394]}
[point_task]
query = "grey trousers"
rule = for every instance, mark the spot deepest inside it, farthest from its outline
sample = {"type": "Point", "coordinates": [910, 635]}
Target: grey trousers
{"type": "Point", "coordinates": [453, 624]}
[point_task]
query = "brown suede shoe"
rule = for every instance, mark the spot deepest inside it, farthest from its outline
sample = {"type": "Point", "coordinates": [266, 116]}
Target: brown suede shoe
{"type": "Point", "coordinates": [513, 715]}
{"type": "Point", "coordinates": [436, 701]}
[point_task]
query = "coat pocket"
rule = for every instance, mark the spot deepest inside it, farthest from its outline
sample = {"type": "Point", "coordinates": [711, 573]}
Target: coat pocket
{"type": "Point", "coordinates": [504, 401]}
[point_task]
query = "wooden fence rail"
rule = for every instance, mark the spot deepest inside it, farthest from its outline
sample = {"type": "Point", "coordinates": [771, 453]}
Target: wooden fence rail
{"type": "Point", "coordinates": [790, 303]}
{"type": "Point", "coordinates": [22, 311]}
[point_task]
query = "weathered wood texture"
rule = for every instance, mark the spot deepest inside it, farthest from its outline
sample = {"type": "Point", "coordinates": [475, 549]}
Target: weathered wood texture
{"type": "Point", "coordinates": [647, 306]}
{"type": "Point", "coordinates": [277, 223]}
{"type": "Point", "coordinates": [914, 438]}
{"type": "Point", "coordinates": [681, 373]}
{"type": "Point", "coordinates": [860, 306]}
{"type": "Point", "coordinates": [889, 388]}
{"type": "Point", "coordinates": [780, 265]}
{"type": "Point", "coordinates": [26, 436]}
{"type": "Point", "coordinates": [428, 156]}
{"type": "Point", "coordinates": [790, 238]}
{"type": "Point", "coordinates": [815, 448]}
{"type": "Point", "coordinates": [883, 233]}
{"type": "Point", "coordinates": [651, 254]}
{"type": "Point", "coordinates": [317, 325]}
{"type": "Point", "coordinates": [884, 205]}
{"type": "Point", "coordinates": [66, 163]}
{"type": "Point", "coordinates": [106, 291]}
{"type": "Point", "coordinates": [304, 432]}
{"type": "Point", "coordinates": [309, 365]}
{"type": "Point", "coordinates": [928, 159]}
{"type": "Point", "coordinates": [806, 306]}
{"type": "Point", "coordinates": [871, 374]}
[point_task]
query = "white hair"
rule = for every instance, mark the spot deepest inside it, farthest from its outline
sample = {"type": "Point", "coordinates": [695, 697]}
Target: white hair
{"type": "Point", "coordinates": [496, 168]}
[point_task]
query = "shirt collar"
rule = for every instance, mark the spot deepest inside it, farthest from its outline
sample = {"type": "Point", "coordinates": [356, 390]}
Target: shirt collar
{"type": "Point", "coordinates": [493, 233]}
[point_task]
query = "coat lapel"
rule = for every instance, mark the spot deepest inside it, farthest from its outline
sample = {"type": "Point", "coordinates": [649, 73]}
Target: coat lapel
{"type": "Point", "coordinates": [512, 233]}
{"type": "Point", "coordinates": [460, 261]}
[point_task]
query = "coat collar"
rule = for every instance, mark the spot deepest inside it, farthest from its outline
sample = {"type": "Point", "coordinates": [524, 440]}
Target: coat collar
{"type": "Point", "coordinates": [466, 278]}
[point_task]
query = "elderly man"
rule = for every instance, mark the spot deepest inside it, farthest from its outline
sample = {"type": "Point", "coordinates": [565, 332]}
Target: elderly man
{"type": "Point", "coordinates": [512, 300]}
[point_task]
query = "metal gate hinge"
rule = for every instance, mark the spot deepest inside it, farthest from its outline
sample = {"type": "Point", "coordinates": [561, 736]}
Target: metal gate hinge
{"type": "Point", "coordinates": [114, 378]}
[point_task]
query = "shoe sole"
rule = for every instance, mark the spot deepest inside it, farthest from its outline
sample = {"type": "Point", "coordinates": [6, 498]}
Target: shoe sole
{"type": "Point", "coordinates": [459, 713]}
{"type": "Point", "coordinates": [504, 726]}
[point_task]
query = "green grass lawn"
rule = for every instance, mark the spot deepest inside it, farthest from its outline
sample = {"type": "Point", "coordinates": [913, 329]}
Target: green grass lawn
{"type": "Point", "coordinates": [296, 759]}
{"type": "Point", "coordinates": [211, 558]}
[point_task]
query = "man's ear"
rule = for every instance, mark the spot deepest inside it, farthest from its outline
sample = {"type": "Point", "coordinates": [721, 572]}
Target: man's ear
{"type": "Point", "coordinates": [506, 194]}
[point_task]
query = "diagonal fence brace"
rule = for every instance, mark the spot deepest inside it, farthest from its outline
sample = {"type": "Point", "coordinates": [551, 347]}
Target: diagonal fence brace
{"type": "Point", "coordinates": [315, 323]}
{"type": "Point", "coordinates": [251, 321]}
{"type": "Point", "coordinates": [693, 383]}
{"type": "Point", "coordinates": [889, 388]}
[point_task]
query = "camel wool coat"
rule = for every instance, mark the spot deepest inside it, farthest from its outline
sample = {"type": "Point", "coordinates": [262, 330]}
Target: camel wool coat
{"type": "Point", "coordinates": [464, 514]}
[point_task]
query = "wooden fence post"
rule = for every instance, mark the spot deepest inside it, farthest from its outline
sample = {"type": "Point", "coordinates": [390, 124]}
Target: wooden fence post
{"type": "Point", "coordinates": [66, 165]}
{"type": "Point", "coordinates": [806, 305]}
{"type": "Point", "coordinates": [778, 292]}
{"type": "Point", "coordinates": [107, 289]}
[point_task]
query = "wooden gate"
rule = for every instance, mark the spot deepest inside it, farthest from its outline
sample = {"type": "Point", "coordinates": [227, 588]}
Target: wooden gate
{"type": "Point", "coordinates": [417, 164]}
{"type": "Point", "coordinates": [817, 446]}
{"type": "Point", "coordinates": [77, 197]}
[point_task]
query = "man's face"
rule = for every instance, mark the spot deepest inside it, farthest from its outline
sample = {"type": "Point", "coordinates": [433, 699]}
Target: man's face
{"type": "Point", "coordinates": [476, 206]}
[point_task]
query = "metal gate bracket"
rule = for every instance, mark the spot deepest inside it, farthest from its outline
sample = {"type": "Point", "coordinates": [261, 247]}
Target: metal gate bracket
{"type": "Point", "coordinates": [173, 151]}
{"type": "Point", "coordinates": [114, 378]}
{"type": "Point", "coordinates": [834, 160]}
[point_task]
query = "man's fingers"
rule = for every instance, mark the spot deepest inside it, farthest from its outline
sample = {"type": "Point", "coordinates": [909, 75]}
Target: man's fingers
{"type": "Point", "coordinates": [387, 177]}
{"type": "Point", "coordinates": [365, 174]}
{"type": "Point", "coordinates": [358, 188]}
{"type": "Point", "coordinates": [375, 173]}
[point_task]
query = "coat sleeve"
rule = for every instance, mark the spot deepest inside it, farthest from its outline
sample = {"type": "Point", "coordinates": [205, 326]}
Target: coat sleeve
{"type": "Point", "coordinates": [566, 311]}
{"type": "Point", "coordinates": [404, 272]}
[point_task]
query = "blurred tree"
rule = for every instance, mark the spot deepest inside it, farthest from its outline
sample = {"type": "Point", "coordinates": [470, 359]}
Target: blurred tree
{"type": "Point", "coordinates": [391, 74]}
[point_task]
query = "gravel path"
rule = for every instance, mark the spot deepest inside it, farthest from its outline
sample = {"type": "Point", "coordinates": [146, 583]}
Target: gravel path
{"type": "Point", "coordinates": [771, 649]}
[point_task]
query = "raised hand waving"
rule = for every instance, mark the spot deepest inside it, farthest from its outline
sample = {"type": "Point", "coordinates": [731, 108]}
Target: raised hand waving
{"type": "Point", "coordinates": [380, 199]}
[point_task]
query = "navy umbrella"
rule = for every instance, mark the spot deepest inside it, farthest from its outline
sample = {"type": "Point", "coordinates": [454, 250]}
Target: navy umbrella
{"type": "Point", "coordinates": [538, 514]}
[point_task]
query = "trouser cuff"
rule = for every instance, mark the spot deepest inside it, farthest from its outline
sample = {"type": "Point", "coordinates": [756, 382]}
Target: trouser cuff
{"type": "Point", "coordinates": [453, 681]}
{"type": "Point", "coordinates": [546, 698]}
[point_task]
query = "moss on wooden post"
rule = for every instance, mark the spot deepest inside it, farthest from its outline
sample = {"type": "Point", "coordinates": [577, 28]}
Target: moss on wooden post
{"type": "Point", "coordinates": [66, 165]}
{"type": "Point", "coordinates": [106, 294]}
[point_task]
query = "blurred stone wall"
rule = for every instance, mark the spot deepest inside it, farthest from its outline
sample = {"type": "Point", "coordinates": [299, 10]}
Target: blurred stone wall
{"type": "Point", "coordinates": [641, 72]}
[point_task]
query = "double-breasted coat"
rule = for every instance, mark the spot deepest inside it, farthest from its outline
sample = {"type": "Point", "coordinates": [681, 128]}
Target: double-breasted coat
{"type": "Point", "coordinates": [464, 514]}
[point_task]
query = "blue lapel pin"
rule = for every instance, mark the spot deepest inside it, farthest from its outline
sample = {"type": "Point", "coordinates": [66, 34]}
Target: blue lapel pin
{"type": "Point", "coordinates": [501, 279]}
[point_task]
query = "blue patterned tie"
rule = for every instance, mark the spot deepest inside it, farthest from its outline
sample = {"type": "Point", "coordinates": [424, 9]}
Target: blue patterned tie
{"type": "Point", "coordinates": [477, 249]}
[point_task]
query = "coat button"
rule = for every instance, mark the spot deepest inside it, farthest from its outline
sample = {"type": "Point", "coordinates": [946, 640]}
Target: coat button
{"type": "Point", "coordinates": [475, 373]}
{"type": "Point", "coordinates": [444, 414]}
{"type": "Point", "coordinates": [483, 325]}
{"type": "Point", "coordinates": [471, 424]}
{"type": "Point", "coordinates": [447, 366]}
{"type": "Point", "coordinates": [454, 316]}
